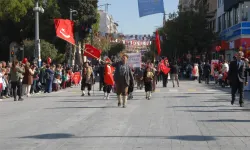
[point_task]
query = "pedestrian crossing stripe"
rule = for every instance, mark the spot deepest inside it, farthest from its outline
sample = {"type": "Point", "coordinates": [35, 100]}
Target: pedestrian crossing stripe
{"type": "Point", "coordinates": [191, 90]}
{"type": "Point", "coordinates": [212, 90]}
{"type": "Point", "coordinates": [173, 90]}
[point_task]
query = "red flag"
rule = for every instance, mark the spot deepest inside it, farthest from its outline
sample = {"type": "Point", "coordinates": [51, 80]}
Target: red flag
{"type": "Point", "coordinates": [164, 68]}
{"type": "Point", "coordinates": [108, 75]}
{"type": "Point", "coordinates": [92, 52]}
{"type": "Point", "coordinates": [65, 30]}
{"type": "Point", "coordinates": [158, 42]}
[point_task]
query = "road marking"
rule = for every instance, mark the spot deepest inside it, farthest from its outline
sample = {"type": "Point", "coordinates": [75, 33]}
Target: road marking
{"type": "Point", "coordinates": [191, 90]}
{"type": "Point", "coordinates": [173, 90]}
{"type": "Point", "coordinates": [212, 90]}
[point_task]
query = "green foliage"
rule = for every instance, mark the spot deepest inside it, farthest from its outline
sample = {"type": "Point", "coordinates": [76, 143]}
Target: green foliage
{"type": "Point", "coordinates": [95, 27]}
{"type": "Point", "coordinates": [14, 9]}
{"type": "Point", "coordinates": [188, 32]}
{"type": "Point", "coordinates": [47, 49]}
{"type": "Point", "coordinates": [17, 21]}
{"type": "Point", "coordinates": [115, 49]}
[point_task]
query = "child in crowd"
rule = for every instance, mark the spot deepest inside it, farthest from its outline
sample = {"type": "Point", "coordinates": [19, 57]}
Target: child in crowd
{"type": "Point", "coordinates": [148, 78]}
{"type": "Point", "coordinates": [64, 78]}
{"type": "Point", "coordinates": [1, 83]}
{"type": "Point", "coordinates": [57, 82]}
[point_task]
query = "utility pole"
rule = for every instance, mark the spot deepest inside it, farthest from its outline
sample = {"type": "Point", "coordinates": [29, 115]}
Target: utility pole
{"type": "Point", "coordinates": [71, 11]}
{"type": "Point", "coordinates": [37, 53]}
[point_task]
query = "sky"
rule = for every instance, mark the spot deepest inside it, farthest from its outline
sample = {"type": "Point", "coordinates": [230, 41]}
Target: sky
{"type": "Point", "coordinates": [126, 14]}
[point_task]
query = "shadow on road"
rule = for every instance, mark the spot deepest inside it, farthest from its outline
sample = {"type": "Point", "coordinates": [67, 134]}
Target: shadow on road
{"type": "Point", "coordinates": [225, 120]}
{"type": "Point", "coordinates": [82, 107]}
{"type": "Point", "coordinates": [219, 110]}
{"type": "Point", "coordinates": [65, 135]}
{"type": "Point", "coordinates": [198, 106]}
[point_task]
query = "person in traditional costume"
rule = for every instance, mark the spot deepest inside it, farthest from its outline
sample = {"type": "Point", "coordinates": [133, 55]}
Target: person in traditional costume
{"type": "Point", "coordinates": [148, 82]}
{"type": "Point", "coordinates": [87, 78]}
{"type": "Point", "coordinates": [108, 78]}
{"type": "Point", "coordinates": [123, 78]}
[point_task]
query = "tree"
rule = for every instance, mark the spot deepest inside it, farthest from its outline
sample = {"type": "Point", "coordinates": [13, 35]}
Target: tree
{"type": "Point", "coordinates": [188, 32]}
{"type": "Point", "coordinates": [47, 50]}
{"type": "Point", "coordinates": [17, 20]}
{"type": "Point", "coordinates": [14, 9]}
{"type": "Point", "coordinates": [115, 49]}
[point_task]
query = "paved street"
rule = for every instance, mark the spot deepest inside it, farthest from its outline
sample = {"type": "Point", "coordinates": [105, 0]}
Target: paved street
{"type": "Point", "coordinates": [193, 116]}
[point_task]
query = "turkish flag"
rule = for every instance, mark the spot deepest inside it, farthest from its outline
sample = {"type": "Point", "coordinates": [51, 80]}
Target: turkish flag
{"type": "Point", "coordinates": [65, 30]}
{"type": "Point", "coordinates": [108, 75]}
{"type": "Point", "coordinates": [164, 68]}
{"type": "Point", "coordinates": [92, 52]}
{"type": "Point", "coordinates": [158, 42]}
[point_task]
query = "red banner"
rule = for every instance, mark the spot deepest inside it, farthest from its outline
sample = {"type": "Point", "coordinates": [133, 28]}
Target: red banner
{"type": "Point", "coordinates": [65, 30]}
{"type": "Point", "coordinates": [77, 78]}
{"type": "Point", "coordinates": [158, 42]}
{"type": "Point", "coordinates": [92, 52]}
{"type": "Point", "coordinates": [108, 75]}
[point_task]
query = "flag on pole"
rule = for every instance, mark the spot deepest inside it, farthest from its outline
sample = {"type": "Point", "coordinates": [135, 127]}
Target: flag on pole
{"type": "Point", "coordinates": [158, 42]}
{"type": "Point", "coordinates": [149, 7]}
{"type": "Point", "coordinates": [92, 52]}
{"type": "Point", "coordinates": [65, 30]}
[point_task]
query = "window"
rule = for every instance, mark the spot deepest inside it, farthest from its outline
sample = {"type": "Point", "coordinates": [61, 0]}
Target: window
{"type": "Point", "coordinates": [245, 11]}
{"type": "Point", "coordinates": [228, 20]}
{"type": "Point", "coordinates": [232, 17]}
{"type": "Point", "coordinates": [237, 15]}
{"type": "Point", "coordinates": [223, 21]}
{"type": "Point", "coordinates": [219, 24]}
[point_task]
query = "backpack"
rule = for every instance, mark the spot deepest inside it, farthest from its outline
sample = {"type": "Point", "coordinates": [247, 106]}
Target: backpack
{"type": "Point", "coordinates": [47, 75]}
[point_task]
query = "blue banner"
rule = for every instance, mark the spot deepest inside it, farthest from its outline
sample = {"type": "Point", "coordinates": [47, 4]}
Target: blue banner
{"type": "Point", "coordinates": [149, 7]}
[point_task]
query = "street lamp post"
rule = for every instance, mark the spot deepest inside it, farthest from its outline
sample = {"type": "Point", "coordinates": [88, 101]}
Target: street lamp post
{"type": "Point", "coordinates": [71, 11]}
{"type": "Point", "coordinates": [37, 53]}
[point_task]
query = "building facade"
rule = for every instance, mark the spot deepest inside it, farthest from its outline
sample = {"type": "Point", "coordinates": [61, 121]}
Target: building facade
{"type": "Point", "coordinates": [107, 23]}
{"type": "Point", "coordinates": [233, 25]}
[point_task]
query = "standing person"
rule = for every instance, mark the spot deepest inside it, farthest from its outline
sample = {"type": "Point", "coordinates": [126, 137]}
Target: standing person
{"type": "Point", "coordinates": [236, 77]}
{"type": "Point", "coordinates": [165, 76]}
{"type": "Point", "coordinates": [1, 83]}
{"type": "Point", "coordinates": [49, 76]}
{"type": "Point", "coordinates": [148, 79]}
{"type": "Point", "coordinates": [174, 70]}
{"type": "Point", "coordinates": [207, 71]}
{"type": "Point", "coordinates": [108, 80]}
{"type": "Point", "coordinates": [195, 72]}
{"type": "Point", "coordinates": [16, 80]}
{"type": "Point", "coordinates": [200, 68]}
{"type": "Point", "coordinates": [87, 78]}
{"type": "Point", "coordinates": [123, 77]}
{"type": "Point", "coordinates": [64, 78]}
{"type": "Point", "coordinates": [27, 79]}
{"type": "Point", "coordinates": [101, 75]}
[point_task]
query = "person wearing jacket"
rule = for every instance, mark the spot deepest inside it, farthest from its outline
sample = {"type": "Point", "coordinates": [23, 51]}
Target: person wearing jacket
{"type": "Point", "coordinates": [49, 76]}
{"type": "Point", "coordinates": [174, 70]}
{"type": "Point", "coordinates": [123, 78]}
{"type": "Point", "coordinates": [87, 78]}
{"type": "Point", "coordinates": [16, 80]}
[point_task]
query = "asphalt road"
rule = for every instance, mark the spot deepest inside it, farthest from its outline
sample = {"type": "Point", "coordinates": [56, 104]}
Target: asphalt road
{"type": "Point", "coordinates": [193, 116]}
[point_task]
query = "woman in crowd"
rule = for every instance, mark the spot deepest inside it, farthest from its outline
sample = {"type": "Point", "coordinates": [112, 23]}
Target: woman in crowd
{"type": "Point", "coordinates": [148, 82]}
{"type": "Point", "coordinates": [27, 79]}
{"type": "Point", "coordinates": [16, 78]}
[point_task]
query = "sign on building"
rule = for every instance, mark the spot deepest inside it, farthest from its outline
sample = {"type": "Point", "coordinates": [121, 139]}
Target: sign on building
{"type": "Point", "coordinates": [134, 60]}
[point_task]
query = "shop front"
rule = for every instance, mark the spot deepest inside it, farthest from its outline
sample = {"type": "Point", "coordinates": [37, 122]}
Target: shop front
{"type": "Point", "coordinates": [234, 39]}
